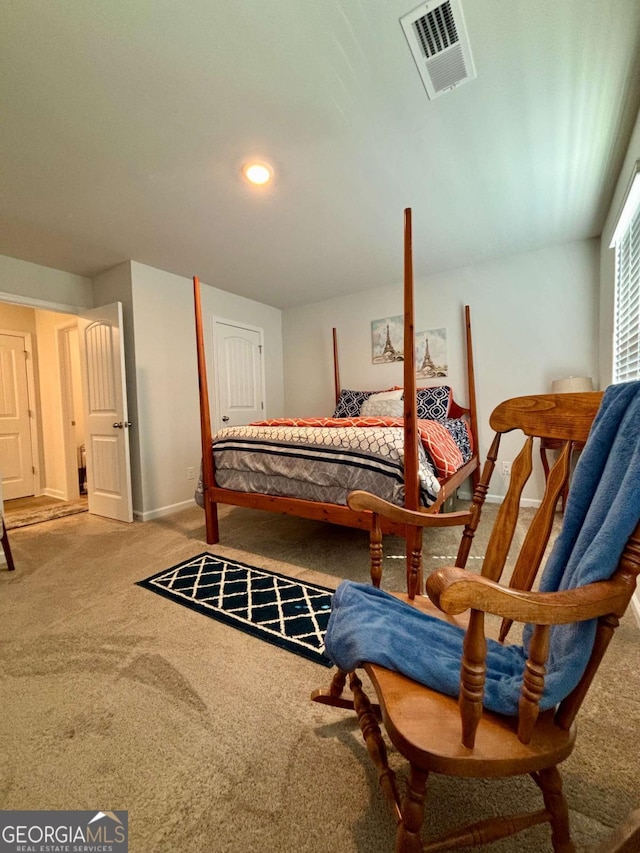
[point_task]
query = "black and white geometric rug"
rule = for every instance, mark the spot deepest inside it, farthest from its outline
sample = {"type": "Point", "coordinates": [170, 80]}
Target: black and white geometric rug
{"type": "Point", "coordinates": [281, 610]}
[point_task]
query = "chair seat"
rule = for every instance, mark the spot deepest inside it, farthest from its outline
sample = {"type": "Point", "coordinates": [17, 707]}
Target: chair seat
{"type": "Point", "coordinates": [407, 708]}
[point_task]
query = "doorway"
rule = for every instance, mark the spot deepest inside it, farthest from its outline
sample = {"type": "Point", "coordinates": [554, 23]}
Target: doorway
{"type": "Point", "coordinates": [43, 346]}
{"type": "Point", "coordinates": [25, 512]}
{"type": "Point", "coordinates": [79, 410]}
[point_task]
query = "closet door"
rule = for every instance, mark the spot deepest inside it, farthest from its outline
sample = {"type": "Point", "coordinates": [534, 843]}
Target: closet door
{"type": "Point", "coordinates": [239, 374]}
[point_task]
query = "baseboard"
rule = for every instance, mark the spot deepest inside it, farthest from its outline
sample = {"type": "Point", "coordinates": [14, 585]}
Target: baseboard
{"type": "Point", "coordinates": [54, 493]}
{"type": "Point", "coordinates": [163, 510]}
{"type": "Point", "coordinates": [497, 499]}
{"type": "Point", "coordinates": [635, 606]}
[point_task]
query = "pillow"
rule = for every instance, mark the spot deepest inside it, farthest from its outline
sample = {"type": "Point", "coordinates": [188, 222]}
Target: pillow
{"type": "Point", "coordinates": [393, 394]}
{"type": "Point", "coordinates": [433, 403]}
{"type": "Point", "coordinates": [350, 402]}
{"type": "Point", "coordinates": [375, 407]}
{"type": "Point", "coordinates": [459, 431]}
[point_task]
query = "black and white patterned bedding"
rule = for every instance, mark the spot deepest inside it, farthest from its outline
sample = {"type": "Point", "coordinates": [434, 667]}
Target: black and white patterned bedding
{"type": "Point", "coordinates": [316, 464]}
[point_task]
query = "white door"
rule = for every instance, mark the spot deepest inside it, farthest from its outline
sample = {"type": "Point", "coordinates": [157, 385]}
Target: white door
{"type": "Point", "coordinates": [239, 374]}
{"type": "Point", "coordinates": [16, 455]}
{"type": "Point", "coordinates": [73, 438]}
{"type": "Point", "coordinates": [105, 412]}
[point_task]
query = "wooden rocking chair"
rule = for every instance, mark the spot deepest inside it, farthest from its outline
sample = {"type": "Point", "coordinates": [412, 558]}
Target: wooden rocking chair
{"type": "Point", "coordinates": [4, 537]}
{"type": "Point", "coordinates": [458, 736]}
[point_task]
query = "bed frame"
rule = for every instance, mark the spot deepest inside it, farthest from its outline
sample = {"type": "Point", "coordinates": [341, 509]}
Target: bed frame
{"type": "Point", "coordinates": [334, 513]}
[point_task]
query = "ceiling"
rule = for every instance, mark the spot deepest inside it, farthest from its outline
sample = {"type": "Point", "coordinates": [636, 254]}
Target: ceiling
{"type": "Point", "coordinates": [125, 123]}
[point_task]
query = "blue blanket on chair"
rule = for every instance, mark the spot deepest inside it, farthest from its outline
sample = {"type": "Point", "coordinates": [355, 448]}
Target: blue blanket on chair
{"type": "Point", "coordinates": [602, 511]}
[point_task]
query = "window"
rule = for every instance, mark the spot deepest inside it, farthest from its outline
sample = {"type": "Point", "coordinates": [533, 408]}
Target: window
{"type": "Point", "coordinates": [626, 331]}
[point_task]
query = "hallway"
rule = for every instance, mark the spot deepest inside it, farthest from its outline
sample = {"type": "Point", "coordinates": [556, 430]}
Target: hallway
{"type": "Point", "coordinates": [23, 512]}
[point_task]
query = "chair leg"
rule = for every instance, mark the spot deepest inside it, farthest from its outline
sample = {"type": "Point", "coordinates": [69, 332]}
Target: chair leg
{"type": "Point", "coordinates": [372, 737]}
{"type": "Point", "coordinates": [408, 833]}
{"type": "Point", "coordinates": [7, 550]}
{"type": "Point", "coordinates": [337, 684]}
{"type": "Point", "coordinates": [333, 694]}
{"type": "Point", "coordinates": [550, 783]}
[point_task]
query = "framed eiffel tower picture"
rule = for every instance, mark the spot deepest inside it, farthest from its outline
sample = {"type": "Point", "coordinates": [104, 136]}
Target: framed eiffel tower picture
{"type": "Point", "coordinates": [431, 354]}
{"type": "Point", "coordinates": [387, 344]}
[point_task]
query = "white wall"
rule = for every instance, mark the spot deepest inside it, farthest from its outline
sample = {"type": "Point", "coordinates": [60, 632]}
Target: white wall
{"type": "Point", "coordinates": [168, 419]}
{"type": "Point", "coordinates": [34, 284]}
{"type": "Point", "coordinates": [533, 319]}
{"type": "Point", "coordinates": [17, 318]}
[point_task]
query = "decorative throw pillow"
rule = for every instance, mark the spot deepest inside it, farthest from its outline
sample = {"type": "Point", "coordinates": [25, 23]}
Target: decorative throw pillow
{"type": "Point", "coordinates": [459, 431]}
{"type": "Point", "coordinates": [392, 394]}
{"type": "Point", "coordinates": [350, 402]}
{"type": "Point", "coordinates": [433, 403]}
{"type": "Point", "coordinates": [374, 407]}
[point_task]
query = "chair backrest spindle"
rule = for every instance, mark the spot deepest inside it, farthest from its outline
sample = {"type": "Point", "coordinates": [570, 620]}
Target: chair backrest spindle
{"type": "Point", "coordinates": [375, 550]}
{"type": "Point", "coordinates": [479, 495]}
{"type": "Point", "coordinates": [539, 531]}
{"type": "Point", "coordinates": [507, 518]}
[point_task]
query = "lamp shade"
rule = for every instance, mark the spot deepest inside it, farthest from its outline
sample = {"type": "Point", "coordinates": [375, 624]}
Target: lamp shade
{"type": "Point", "coordinates": [572, 384]}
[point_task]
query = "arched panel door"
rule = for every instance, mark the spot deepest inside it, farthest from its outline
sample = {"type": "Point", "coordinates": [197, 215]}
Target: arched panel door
{"type": "Point", "coordinates": [238, 372]}
{"type": "Point", "coordinates": [105, 409]}
{"type": "Point", "coordinates": [16, 456]}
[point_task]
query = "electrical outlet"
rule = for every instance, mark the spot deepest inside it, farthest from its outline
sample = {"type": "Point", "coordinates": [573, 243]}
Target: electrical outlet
{"type": "Point", "coordinates": [191, 473]}
{"type": "Point", "coordinates": [506, 469]}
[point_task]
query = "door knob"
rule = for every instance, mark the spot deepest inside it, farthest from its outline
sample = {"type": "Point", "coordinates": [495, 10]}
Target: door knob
{"type": "Point", "coordinates": [225, 418]}
{"type": "Point", "coordinates": [118, 425]}
{"type": "Point", "coordinates": [127, 424]}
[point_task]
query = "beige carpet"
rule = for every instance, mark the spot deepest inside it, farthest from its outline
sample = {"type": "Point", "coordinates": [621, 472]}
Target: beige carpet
{"type": "Point", "coordinates": [115, 698]}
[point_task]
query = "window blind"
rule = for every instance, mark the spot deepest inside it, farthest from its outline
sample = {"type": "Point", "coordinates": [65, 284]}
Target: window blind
{"type": "Point", "coordinates": [626, 338]}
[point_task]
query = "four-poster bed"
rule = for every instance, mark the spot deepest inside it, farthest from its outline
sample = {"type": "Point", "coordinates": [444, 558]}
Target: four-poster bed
{"type": "Point", "coordinates": [406, 460]}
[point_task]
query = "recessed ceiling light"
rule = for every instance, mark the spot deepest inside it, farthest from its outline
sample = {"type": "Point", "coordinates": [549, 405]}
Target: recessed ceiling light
{"type": "Point", "coordinates": [257, 172]}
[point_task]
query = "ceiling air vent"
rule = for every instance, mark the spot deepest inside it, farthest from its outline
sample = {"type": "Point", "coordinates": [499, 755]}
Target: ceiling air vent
{"type": "Point", "coordinates": [438, 40]}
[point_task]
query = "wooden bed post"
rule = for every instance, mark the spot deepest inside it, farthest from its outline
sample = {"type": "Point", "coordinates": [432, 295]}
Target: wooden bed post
{"type": "Point", "coordinates": [471, 384]}
{"type": "Point", "coordinates": [210, 508]}
{"type": "Point", "coordinates": [336, 368]}
{"type": "Point", "coordinates": [413, 535]}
